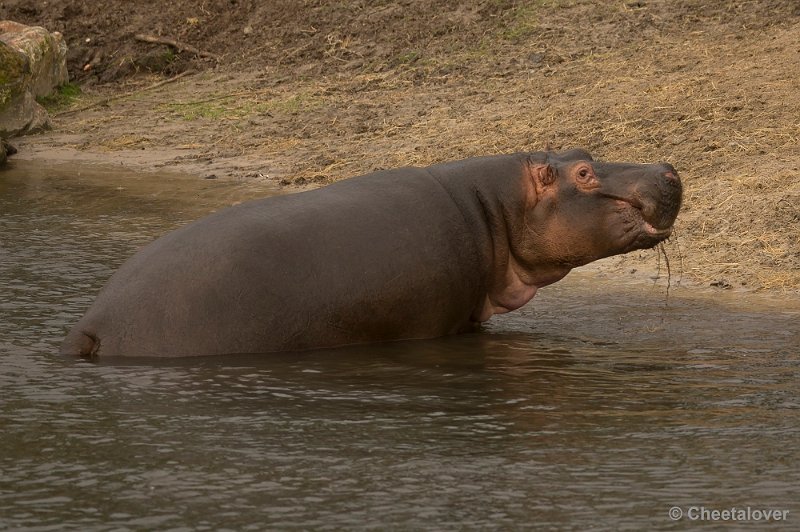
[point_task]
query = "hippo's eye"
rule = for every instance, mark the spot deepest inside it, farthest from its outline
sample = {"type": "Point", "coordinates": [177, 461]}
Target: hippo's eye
{"type": "Point", "coordinates": [585, 176]}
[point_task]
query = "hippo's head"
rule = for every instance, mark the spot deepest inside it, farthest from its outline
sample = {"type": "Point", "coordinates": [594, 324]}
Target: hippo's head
{"type": "Point", "coordinates": [586, 210]}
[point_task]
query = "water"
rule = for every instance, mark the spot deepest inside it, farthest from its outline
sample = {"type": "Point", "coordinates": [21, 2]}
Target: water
{"type": "Point", "coordinates": [599, 405]}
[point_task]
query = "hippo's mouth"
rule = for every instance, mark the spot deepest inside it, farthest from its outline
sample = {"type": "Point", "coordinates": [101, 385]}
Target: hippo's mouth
{"type": "Point", "coordinates": [649, 226]}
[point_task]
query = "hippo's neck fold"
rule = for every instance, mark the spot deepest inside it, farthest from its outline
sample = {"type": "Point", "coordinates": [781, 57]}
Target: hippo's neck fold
{"type": "Point", "coordinates": [493, 197]}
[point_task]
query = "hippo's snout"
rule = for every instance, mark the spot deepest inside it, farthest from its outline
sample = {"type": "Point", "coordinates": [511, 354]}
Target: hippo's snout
{"type": "Point", "coordinates": [653, 190]}
{"type": "Point", "coordinates": [661, 197]}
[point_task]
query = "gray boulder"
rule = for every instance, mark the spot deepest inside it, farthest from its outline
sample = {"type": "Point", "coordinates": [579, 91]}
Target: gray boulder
{"type": "Point", "coordinates": [32, 63]}
{"type": "Point", "coordinates": [6, 149]}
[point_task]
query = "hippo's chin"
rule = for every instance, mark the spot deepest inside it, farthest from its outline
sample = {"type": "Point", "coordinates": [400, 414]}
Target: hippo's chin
{"type": "Point", "coordinates": [649, 236]}
{"type": "Point", "coordinates": [645, 234]}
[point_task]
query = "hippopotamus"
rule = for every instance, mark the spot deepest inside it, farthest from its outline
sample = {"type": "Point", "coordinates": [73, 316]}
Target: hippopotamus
{"type": "Point", "coordinates": [401, 254]}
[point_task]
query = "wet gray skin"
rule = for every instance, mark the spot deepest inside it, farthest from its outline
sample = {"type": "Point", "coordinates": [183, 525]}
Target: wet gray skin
{"type": "Point", "coordinates": [410, 253]}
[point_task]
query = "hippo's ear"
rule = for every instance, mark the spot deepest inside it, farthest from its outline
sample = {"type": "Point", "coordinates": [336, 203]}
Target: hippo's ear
{"type": "Point", "coordinates": [545, 174]}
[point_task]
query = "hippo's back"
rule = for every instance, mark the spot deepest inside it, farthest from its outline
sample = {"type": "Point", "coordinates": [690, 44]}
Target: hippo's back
{"type": "Point", "coordinates": [379, 257]}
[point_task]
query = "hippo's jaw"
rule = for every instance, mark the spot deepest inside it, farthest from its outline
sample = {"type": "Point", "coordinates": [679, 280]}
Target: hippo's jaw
{"type": "Point", "coordinates": [643, 233]}
{"type": "Point", "coordinates": [648, 206]}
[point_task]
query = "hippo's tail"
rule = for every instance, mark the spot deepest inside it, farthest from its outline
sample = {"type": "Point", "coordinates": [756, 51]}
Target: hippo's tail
{"type": "Point", "coordinates": [80, 343]}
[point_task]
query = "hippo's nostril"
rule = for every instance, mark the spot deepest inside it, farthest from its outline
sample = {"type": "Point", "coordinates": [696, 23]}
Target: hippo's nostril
{"type": "Point", "coordinates": [668, 171]}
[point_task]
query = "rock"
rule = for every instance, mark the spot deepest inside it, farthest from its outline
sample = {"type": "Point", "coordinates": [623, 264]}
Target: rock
{"type": "Point", "coordinates": [6, 149]}
{"type": "Point", "coordinates": [20, 114]}
{"type": "Point", "coordinates": [46, 53]}
{"type": "Point", "coordinates": [32, 63]}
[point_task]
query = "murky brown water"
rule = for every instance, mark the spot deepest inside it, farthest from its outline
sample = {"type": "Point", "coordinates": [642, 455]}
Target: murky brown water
{"type": "Point", "coordinates": [597, 406]}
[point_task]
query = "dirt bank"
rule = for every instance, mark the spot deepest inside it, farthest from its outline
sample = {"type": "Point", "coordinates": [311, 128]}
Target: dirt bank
{"type": "Point", "coordinates": [310, 92]}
